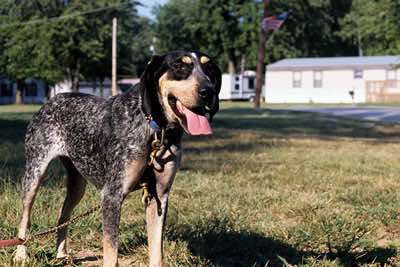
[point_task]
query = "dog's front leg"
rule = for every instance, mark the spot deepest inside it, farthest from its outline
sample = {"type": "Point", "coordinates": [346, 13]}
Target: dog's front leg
{"type": "Point", "coordinates": [111, 207]}
{"type": "Point", "coordinates": [156, 211]}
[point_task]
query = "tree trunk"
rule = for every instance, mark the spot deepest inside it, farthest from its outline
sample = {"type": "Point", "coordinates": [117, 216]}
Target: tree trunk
{"type": "Point", "coordinates": [75, 82]}
{"type": "Point", "coordinates": [101, 87]}
{"type": "Point", "coordinates": [242, 64]}
{"type": "Point", "coordinates": [261, 59]}
{"type": "Point", "coordinates": [19, 93]}
{"type": "Point", "coordinates": [47, 91]}
{"type": "Point", "coordinates": [75, 75]}
{"type": "Point", "coordinates": [231, 67]}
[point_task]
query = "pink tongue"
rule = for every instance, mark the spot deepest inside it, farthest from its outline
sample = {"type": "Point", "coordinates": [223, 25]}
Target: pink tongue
{"type": "Point", "coordinates": [196, 124]}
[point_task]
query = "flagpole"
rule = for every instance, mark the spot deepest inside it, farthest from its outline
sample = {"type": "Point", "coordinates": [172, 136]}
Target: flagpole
{"type": "Point", "coordinates": [261, 58]}
{"type": "Point", "coordinates": [270, 37]}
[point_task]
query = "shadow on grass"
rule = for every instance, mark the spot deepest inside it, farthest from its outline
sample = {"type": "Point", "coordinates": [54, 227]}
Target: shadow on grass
{"type": "Point", "coordinates": [237, 146]}
{"type": "Point", "coordinates": [12, 130]}
{"type": "Point", "coordinates": [292, 123]}
{"type": "Point", "coordinates": [12, 158]}
{"type": "Point", "coordinates": [222, 246]}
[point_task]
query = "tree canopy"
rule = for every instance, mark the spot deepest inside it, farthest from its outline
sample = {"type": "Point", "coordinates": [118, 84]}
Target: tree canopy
{"type": "Point", "coordinates": [57, 40]}
{"type": "Point", "coordinates": [374, 26]}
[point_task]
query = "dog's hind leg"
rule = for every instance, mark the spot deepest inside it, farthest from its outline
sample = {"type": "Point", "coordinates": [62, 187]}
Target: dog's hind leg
{"type": "Point", "coordinates": [76, 185]}
{"type": "Point", "coordinates": [34, 172]}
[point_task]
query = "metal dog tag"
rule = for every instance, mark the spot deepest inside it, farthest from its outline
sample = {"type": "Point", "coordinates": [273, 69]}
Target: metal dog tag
{"type": "Point", "coordinates": [154, 126]}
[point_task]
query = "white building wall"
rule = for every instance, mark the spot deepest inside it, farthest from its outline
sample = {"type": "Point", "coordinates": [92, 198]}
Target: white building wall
{"type": "Point", "coordinates": [279, 88]}
{"type": "Point", "coordinates": [375, 75]}
{"type": "Point", "coordinates": [336, 85]}
{"type": "Point", "coordinates": [92, 88]}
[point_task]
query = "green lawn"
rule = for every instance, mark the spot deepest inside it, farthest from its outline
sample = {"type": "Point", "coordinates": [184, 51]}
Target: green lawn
{"type": "Point", "coordinates": [270, 188]}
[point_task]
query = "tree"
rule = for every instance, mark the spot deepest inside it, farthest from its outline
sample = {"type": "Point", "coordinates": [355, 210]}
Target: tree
{"type": "Point", "coordinates": [175, 29]}
{"type": "Point", "coordinates": [224, 29]}
{"type": "Point", "coordinates": [135, 51]}
{"type": "Point", "coordinates": [27, 46]}
{"type": "Point", "coordinates": [84, 41]}
{"type": "Point", "coordinates": [373, 26]}
{"type": "Point", "coordinates": [261, 58]}
{"type": "Point", "coordinates": [66, 40]}
{"type": "Point", "coordinates": [3, 21]}
{"type": "Point", "coordinates": [311, 30]}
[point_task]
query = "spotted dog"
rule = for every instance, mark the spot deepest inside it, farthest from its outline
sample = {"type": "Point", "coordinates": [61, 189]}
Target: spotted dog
{"type": "Point", "coordinates": [108, 142]}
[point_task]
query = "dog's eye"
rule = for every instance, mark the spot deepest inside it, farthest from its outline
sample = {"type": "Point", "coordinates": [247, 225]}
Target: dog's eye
{"type": "Point", "coordinates": [180, 66]}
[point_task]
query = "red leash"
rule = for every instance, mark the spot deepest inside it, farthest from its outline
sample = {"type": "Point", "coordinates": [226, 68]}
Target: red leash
{"type": "Point", "coordinates": [11, 242]}
{"type": "Point", "coordinates": [18, 241]}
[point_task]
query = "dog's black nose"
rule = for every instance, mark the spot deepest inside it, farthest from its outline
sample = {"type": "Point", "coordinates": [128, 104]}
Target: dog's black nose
{"type": "Point", "coordinates": [204, 92]}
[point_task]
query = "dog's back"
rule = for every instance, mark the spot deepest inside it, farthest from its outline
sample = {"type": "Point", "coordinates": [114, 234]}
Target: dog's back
{"type": "Point", "coordinates": [86, 129]}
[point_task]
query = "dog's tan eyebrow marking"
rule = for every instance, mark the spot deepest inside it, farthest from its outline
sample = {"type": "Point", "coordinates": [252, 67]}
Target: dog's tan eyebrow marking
{"type": "Point", "coordinates": [204, 59]}
{"type": "Point", "coordinates": [186, 60]}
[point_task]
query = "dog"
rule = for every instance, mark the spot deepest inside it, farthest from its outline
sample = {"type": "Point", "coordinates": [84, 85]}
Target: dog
{"type": "Point", "coordinates": [108, 143]}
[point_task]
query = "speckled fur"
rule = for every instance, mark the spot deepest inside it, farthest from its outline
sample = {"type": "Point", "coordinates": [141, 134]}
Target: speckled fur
{"type": "Point", "coordinates": [100, 140]}
{"type": "Point", "coordinates": [99, 136]}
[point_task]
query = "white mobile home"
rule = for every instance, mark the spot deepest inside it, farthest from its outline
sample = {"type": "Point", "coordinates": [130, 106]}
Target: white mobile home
{"type": "Point", "coordinates": [238, 86]}
{"type": "Point", "coordinates": [94, 87]}
{"type": "Point", "coordinates": [333, 80]}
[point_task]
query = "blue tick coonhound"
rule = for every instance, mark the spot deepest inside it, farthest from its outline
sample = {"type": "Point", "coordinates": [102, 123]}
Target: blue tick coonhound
{"type": "Point", "coordinates": [108, 143]}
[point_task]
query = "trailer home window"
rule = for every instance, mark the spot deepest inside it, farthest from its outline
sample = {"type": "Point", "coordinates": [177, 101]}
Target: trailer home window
{"type": "Point", "coordinates": [317, 79]}
{"type": "Point", "coordinates": [358, 74]}
{"type": "Point", "coordinates": [251, 83]}
{"type": "Point", "coordinates": [296, 79]}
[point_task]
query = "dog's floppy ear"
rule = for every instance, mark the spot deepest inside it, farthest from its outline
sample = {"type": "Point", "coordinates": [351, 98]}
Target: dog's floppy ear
{"type": "Point", "coordinates": [154, 66]}
{"type": "Point", "coordinates": [215, 74]}
{"type": "Point", "coordinates": [149, 81]}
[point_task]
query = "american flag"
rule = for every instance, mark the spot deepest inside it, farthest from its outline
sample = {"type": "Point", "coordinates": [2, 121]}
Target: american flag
{"type": "Point", "coordinates": [275, 22]}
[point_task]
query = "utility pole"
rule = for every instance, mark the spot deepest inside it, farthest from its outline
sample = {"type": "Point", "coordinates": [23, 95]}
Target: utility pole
{"type": "Point", "coordinates": [261, 58]}
{"type": "Point", "coordinates": [114, 58]}
{"type": "Point", "coordinates": [359, 42]}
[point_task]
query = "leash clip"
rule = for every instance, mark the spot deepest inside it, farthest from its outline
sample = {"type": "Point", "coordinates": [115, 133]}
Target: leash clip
{"type": "Point", "coordinates": [156, 147]}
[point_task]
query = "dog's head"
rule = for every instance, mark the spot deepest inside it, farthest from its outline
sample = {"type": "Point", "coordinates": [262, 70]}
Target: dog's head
{"type": "Point", "coordinates": [183, 87]}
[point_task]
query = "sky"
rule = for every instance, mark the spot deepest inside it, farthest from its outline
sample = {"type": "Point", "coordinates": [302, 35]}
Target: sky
{"type": "Point", "coordinates": [149, 4]}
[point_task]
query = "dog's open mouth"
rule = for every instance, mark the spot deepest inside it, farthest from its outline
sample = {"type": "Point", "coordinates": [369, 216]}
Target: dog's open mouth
{"type": "Point", "coordinates": [196, 121]}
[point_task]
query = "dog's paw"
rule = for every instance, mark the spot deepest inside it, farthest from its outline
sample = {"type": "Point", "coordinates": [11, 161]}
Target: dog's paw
{"type": "Point", "coordinates": [21, 256]}
{"type": "Point", "coordinates": [62, 255]}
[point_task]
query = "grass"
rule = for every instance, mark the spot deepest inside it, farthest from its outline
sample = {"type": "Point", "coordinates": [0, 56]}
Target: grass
{"type": "Point", "coordinates": [270, 188]}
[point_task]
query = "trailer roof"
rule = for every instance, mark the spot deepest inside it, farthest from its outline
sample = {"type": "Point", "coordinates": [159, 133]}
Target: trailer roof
{"type": "Point", "coordinates": [336, 63]}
